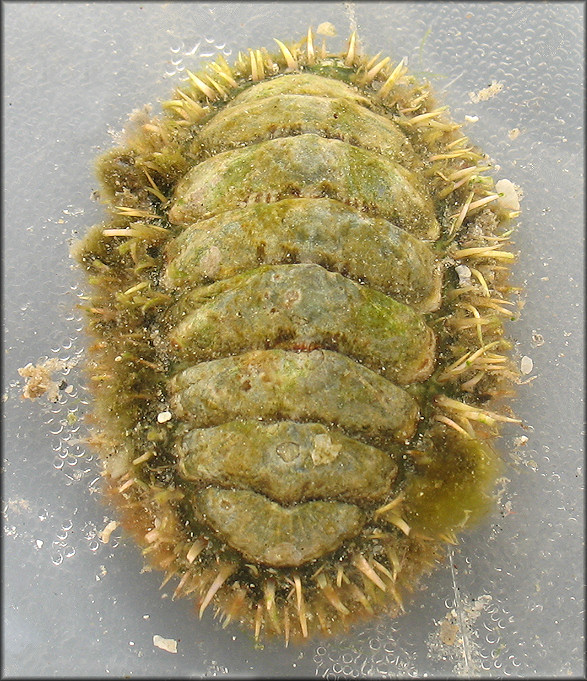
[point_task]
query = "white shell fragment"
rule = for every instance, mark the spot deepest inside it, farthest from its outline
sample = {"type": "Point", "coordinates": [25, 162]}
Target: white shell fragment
{"type": "Point", "coordinates": [168, 644]}
{"type": "Point", "coordinates": [464, 274]}
{"type": "Point", "coordinates": [526, 365]}
{"type": "Point", "coordinates": [508, 197]}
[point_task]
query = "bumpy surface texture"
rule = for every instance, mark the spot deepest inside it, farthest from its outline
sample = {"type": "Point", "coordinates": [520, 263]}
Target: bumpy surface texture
{"type": "Point", "coordinates": [297, 303]}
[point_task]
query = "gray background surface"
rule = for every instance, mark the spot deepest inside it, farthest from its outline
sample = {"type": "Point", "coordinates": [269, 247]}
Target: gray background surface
{"type": "Point", "coordinates": [73, 606]}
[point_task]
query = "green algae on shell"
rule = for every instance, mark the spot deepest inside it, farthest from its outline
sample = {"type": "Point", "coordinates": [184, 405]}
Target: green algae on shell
{"type": "Point", "coordinates": [322, 231]}
{"type": "Point", "coordinates": [290, 377]}
{"type": "Point", "coordinates": [311, 167]}
{"type": "Point", "coordinates": [319, 385]}
{"type": "Point", "coordinates": [272, 534]}
{"type": "Point", "coordinates": [302, 306]}
{"type": "Point", "coordinates": [287, 461]}
{"type": "Point", "coordinates": [289, 114]}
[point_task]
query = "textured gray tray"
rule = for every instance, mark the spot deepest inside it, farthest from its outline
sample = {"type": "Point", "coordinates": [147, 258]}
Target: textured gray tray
{"type": "Point", "coordinates": [74, 606]}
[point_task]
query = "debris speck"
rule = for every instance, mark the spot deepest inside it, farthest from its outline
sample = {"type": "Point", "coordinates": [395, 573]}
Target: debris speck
{"type": "Point", "coordinates": [513, 133]}
{"type": "Point", "coordinates": [449, 629]}
{"type": "Point", "coordinates": [327, 29]}
{"type": "Point", "coordinates": [168, 644]}
{"type": "Point", "coordinates": [39, 379]}
{"type": "Point", "coordinates": [108, 530]}
{"type": "Point", "coordinates": [324, 451]}
{"type": "Point", "coordinates": [456, 638]}
{"type": "Point", "coordinates": [17, 505]}
{"type": "Point", "coordinates": [164, 416]}
{"type": "Point", "coordinates": [487, 92]}
{"type": "Point", "coordinates": [507, 509]}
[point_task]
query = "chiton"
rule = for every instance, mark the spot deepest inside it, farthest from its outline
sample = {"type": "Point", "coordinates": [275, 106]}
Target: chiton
{"type": "Point", "coordinates": [297, 305]}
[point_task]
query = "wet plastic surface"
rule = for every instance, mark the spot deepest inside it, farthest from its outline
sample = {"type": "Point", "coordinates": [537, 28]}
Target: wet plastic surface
{"type": "Point", "coordinates": [74, 606]}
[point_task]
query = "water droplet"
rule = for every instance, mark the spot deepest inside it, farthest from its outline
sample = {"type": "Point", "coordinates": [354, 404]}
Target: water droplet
{"type": "Point", "coordinates": [56, 558]}
{"type": "Point", "coordinates": [288, 451]}
{"type": "Point", "coordinates": [194, 49]}
{"type": "Point", "coordinates": [375, 644]}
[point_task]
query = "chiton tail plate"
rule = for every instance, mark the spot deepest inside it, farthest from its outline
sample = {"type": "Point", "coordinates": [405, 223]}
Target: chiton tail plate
{"type": "Point", "coordinates": [297, 304]}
